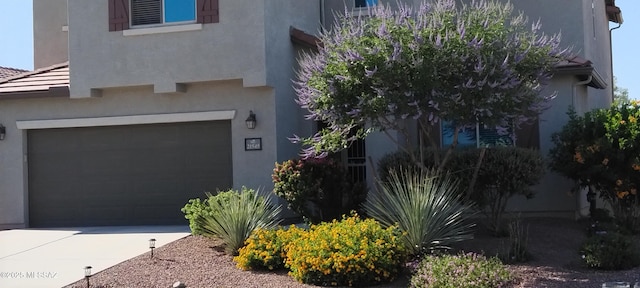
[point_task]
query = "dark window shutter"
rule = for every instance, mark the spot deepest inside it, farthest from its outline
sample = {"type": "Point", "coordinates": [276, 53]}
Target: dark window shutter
{"type": "Point", "coordinates": [118, 15]}
{"type": "Point", "coordinates": [528, 136]}
{"type": "Point", "coordinates": [208, 11]}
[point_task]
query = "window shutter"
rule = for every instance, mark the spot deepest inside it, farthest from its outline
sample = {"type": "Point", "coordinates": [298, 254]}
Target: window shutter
{"type": "Point", "coordinates": [118, 15]}
{"type": "Point", "coordinates": [208, 11]}
{"type": "Point", "coordinates": [528, 136]}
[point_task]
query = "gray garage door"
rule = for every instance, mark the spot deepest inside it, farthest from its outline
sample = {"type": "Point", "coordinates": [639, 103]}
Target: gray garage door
{"type": "Point", "coordinates": [124, 175]}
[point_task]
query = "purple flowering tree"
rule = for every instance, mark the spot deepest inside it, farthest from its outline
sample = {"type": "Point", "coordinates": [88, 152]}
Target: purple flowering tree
{"type": "Point", "coordinates": [479, 63]}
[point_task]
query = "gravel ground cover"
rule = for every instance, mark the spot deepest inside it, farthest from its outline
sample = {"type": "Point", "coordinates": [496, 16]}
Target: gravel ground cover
{"type": "Point", "coordinates": [200, 262]}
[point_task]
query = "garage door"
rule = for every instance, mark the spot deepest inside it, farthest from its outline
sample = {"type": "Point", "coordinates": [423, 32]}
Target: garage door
{"type": "Point", "coordinates": [124, 175]}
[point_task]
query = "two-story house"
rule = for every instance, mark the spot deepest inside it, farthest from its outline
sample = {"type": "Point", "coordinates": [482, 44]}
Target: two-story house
{"type": "Point", "coordinates": [136, 106]}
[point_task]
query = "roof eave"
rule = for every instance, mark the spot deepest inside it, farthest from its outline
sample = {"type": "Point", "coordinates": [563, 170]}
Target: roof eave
{"type": "Point", "coordinates": [304, 39]}
{"type": "Point", "coordinates": [53, 92]}
{"type": "Point", "coordinates": [596, 79]}
{"type": "Point", "coordinates": [614, 14]}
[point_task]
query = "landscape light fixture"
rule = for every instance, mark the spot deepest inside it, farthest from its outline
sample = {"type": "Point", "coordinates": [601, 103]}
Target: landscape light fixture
{"type": "Point", "coordinates": [3, 132]}
{"type": "Point", "coordinates": [152, 245]}
{"type": "Point", "coordinates": [87, 274]}
{"type": "Point", "coordinates": [251, 120]}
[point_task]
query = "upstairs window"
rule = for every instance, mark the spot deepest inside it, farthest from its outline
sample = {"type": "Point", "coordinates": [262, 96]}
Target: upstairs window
{"type": "Point", "coordinates": [366, 3]}
{"type": "Point", "coordinates": [126, 13]}
{"type": "Point", "coordinates": [149, 12]}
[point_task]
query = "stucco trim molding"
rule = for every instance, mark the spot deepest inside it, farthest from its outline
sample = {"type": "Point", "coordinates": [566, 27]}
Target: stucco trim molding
{"type": "Point", "coordinates": [161, 29]}
{"type": "Point", "coordinates": [127, 120]}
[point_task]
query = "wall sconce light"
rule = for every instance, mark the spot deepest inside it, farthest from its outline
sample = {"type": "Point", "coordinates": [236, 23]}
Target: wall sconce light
{"type": "Point", "coordinates": [87, 274]}
{"type": "Point", "coordinates": [152, 245]}
{"type": "Point", "coordinates": [251, 120]}
{"type": "Point", "coordinates": [3, 132]}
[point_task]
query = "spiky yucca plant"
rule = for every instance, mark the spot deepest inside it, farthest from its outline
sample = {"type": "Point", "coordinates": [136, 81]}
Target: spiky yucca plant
{"type": "Point", "coordinates": [234, 219]}
{"type": "Point", "coordinates": [425, 205]}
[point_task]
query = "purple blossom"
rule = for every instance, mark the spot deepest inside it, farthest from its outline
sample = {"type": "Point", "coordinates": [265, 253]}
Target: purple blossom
{"type": "Point", "coordinates": [370, 73]}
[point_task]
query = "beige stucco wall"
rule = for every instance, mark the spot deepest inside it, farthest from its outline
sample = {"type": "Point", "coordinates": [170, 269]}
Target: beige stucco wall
{"type": "Point", "coordinates": [50, 43]}
{"type": "Point", "coordinates": [231, 49]}
{"type": "Point", "coordinates": [250, 168]}
{"type": "Point", "coordinates": [281, 61]}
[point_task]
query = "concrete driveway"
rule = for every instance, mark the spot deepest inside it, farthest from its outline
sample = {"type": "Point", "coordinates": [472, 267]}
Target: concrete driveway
{"type": "Point", "coordinates": [56, 257]}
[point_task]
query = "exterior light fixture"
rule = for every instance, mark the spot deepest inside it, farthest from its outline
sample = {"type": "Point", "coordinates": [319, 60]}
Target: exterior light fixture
{"type": "Point", "coordinates": [87, 274]}
{"type": "Point", "coordinates": [152, 245]}
{"type": "Point", "coordinates": [251, 120]}
{"type": "Point", "coordinates": [3, 132]}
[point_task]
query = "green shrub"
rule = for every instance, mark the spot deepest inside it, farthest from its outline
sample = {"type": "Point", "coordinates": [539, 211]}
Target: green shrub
{"type": "Point", "coordinates": [347, 252]}
{"type": "Point", "coordinates": [265, 248]}
{"type": "Point", "coordinates": [395, 161]}
{"type": "Point", "coordinates": [193, 210]}
{"type": "Point", "coordinates": [317, 189]}
{"type": "Point", "coordinates": [504, 173]}
{"type": "Point", "coordinates": [425, 206]}
{"type": "Point", "coordinates": [610, 251]}
{"type": "Point", "coordinates": [236, 216]}
{"type": "Point", "coordinates": [600, 150]}
{"type": "Point", "coordinates": [461, 271]}
{"type": "Point", "coordinates": [196, 209]}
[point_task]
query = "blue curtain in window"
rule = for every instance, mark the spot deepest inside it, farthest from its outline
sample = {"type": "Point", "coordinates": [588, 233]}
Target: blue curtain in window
{"type": "Point", "coordinates": [179, 10]}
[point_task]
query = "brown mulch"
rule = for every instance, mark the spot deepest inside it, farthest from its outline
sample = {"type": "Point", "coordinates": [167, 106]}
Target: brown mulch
{"type": "Point", "coordinates": [200, 262]}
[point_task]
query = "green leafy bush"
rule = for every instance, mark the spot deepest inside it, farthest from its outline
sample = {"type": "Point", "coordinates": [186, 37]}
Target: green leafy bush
{"type": "Point", "coordinates": [461, 271]}
{"type": "Point", "coordinates": [236, 216]}
{"type": "Point", "coordinates": [196, 209]}
{"type": "Point", "coordinates": [610, 251]}
{"type": "Point", "coordinates": [347, 252]}
{"type": "Point", "coordinates": [504, 173]}
{"type": "Point", "coordinates": [599, 150]}
{"type": "Point", "coordinates": [317, 189]}
{"type": "Point", "coordinates": [396, 161]}
{"type": "Point", "coordinates": [265, 248]}
{"type": "Point", "coordinates": [425, 206]}
{"type": "Point", "coordinates": [193, 210]}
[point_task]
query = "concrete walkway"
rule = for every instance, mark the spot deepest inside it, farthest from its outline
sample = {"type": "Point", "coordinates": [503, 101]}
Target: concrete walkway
{"type": "Point", "coordinates": [56, 257]}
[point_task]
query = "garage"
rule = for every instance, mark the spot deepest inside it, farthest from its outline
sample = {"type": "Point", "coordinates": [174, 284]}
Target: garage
{"type": "Point", "coordinates": [124, 175]}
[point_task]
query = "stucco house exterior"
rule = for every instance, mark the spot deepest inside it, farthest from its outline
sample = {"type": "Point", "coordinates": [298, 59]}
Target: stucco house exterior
{"type": "Point", "coordinates": [136, 106]}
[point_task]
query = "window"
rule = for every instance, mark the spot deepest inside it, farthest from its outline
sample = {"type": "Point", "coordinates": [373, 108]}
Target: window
{"type": "Point", "coordinates": [147, 12]}
{"type": "Point", "coordinates": [366, 3]}
{"type": "Point", "coordinates": [478, 136]}
{"type": "Point", "coordinates": [150, 12]}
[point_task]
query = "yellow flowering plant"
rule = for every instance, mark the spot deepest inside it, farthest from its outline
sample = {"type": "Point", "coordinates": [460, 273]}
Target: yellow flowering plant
{"type": "Point", "coordinates": [349, 252]}
{"type": "Point", "coordinates": [264, 249]}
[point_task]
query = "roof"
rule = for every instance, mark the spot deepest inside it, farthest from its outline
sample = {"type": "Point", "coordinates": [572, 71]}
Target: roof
{"type": "Point", "coordinates": [614, 14]}
{"type": "Point", "coordinates": [52, 81]}
{"type": "Point", "coordinates": [305, 39]}
{"type": "Point", "coordinates": [581, 67]}
{"type": "Point", "coordinates": [7, 72]}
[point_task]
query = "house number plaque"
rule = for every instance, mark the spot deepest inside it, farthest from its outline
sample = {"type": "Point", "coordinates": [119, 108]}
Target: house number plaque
{"type": "Point", "coordinates": [252, 144]}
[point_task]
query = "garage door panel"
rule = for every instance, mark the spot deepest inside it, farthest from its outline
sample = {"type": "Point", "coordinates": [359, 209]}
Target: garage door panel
{"type": "Point", "coordinates": [57, 164]}
{"type": "Point", "coordinates": [156, 161]}
{"type": "Point", "coordinates": [107, 162]}
{"type": "Point", "coordinates": [168, 214]}
{"type": "Point", "coordinates": [125, 175]}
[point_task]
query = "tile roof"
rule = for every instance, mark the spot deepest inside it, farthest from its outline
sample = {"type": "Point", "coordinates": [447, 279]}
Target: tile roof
{"type": "Point", "coordinates": [52, 81]}
{"type": "Point", "coordinates": [579, 66]}
{"type": "Point", "coordinates": [7, 72]}
{"type": "Point", "coordinates": [305, 39]}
